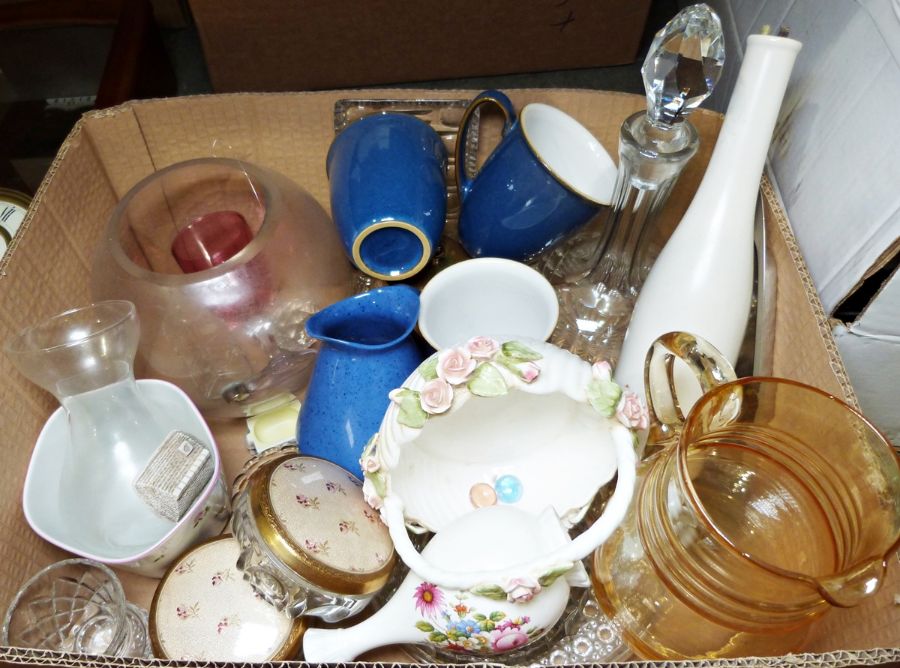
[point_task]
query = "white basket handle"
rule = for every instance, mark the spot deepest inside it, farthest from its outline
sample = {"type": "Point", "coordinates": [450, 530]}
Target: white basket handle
{"type": "Point", "coordinates": [570, 553]}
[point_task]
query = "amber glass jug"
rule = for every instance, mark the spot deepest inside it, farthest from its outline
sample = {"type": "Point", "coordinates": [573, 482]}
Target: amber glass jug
{"type": "Point", "coordinates": [774, 502]}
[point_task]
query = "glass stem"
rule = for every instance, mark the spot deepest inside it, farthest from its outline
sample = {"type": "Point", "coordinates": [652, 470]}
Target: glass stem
{"type": "Point", "coordinates": [595, 307]}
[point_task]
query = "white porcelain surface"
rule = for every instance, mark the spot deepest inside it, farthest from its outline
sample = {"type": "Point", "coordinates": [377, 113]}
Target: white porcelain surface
{"type": "Point", "coordinates": [41, 500]}
{"type": "Point", "coordinates": [570, 151]}
{"type": "Point", "coordinates": [487, 296]}
{"type": "Point", "coordinates": [529, 411]}
{"type": "Point", "coordinates": [545, 433]}
{"type": "Point", "coordinates": [521, 612]}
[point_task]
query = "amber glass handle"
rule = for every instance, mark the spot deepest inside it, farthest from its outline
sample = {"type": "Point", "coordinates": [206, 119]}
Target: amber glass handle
{"type": "Point", "coordinates": [705, 361]}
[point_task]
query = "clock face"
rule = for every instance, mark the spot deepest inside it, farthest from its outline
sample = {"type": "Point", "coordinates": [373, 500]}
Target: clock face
{"type": "Point", "coordinates": [13, 207]}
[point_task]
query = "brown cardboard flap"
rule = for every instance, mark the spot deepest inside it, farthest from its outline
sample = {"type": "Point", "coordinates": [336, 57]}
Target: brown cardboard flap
{"type": "Point", "coordinates": [48, 269]}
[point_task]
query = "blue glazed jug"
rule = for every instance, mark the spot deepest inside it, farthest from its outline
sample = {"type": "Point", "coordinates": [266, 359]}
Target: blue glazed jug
{"type": "Point", "coordinates": [366, 351]}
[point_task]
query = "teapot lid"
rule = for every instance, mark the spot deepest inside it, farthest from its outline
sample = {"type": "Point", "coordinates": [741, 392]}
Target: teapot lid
{"type": "Point", "coordinates": [204, 610]}
{"type": "Point", "coordinates": [312, 515]}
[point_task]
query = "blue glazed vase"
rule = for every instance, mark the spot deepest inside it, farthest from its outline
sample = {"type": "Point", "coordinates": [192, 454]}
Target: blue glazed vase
{"type": "Point", "coordinates": [366, 351]}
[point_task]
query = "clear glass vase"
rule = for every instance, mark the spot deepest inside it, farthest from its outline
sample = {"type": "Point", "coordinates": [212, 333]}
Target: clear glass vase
{"type": "Point", "coordinates": [84, 358]}
{"type": "Point", "coordinates": [595, 307]}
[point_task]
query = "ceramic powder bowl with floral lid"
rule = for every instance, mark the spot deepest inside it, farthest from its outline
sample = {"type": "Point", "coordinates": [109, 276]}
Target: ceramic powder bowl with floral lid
{"type": "Point", "coordinates": [203, 610]}
{"type": "Point", "coordinates": [492, 422]}
{"type": "Point", "coordinates": [310, 545]}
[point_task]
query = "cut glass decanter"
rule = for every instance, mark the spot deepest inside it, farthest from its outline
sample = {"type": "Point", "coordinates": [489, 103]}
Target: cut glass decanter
{"type": "Point", "coordinates": [600, 270]}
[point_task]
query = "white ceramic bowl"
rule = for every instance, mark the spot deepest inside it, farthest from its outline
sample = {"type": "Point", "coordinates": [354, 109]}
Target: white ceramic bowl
{"type": "Point", "coordinates": [41, 501]}
{"type": "Point", "coordinates": [525, 424]}
{"type": "Point", "coordinates": [487, 296]}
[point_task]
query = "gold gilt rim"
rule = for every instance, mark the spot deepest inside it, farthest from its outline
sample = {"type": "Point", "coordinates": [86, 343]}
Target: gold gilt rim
{"type": "Point", "coordinates": [563, 181]}
{"type": "Point", "coordinates": [288, 650]}
{"type": "Point", "coordinates": [16, 197]}
{"type": "Point", "coordinates": [278, 540]}
{"type": "Point", "coordinates": [391, 224]}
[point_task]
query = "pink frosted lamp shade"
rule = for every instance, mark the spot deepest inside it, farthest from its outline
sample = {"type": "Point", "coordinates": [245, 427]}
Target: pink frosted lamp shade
{"type": "Point", "coordinates": [224, 261]}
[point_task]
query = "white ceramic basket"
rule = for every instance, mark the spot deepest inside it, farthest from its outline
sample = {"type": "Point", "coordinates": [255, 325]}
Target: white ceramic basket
{"type": "Point", "coordinates": [522, 423]}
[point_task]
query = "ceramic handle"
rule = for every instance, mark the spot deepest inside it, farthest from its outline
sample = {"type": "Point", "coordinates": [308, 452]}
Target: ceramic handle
{"type": "Point", "coordinates": [704, 360]}
{"type": "Point", "coordinates": [567, 555]}
{"type": "Point", "coordinates": [463, 181]}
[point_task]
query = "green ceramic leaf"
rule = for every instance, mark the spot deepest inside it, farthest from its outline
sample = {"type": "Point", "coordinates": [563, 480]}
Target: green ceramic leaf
{"type": "Point", "coordinates": [498, 615]}
{"type": "Point", "coordinates": [490, 591]}
{"type": "Point", "coordinates": [519, 353]}
{"type": "Point", "coordinates": [551, 576]}
{"type": "Point", "coordinates": [487, 381]}
{"type": "Point", "coordinates": [478, 617]}
{"type": "Point", "coordinates": [428, 368]}
{"type": "Point", "coordinates": [411, 412]}
{"type": "Point", "coordinates": [422, 625]}
{"type": "Point", "coordinates": [378, 483]}
{"type": "Point", "coordinates": [486, 625]}
{"type": "Point", "coordinates": [437, 636]}
{"type": "Point", "coordinates": [604, 396]}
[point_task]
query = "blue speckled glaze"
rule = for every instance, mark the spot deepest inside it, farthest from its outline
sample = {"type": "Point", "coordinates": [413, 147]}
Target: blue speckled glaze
{"type": "Point", "coordinates": [388, 167]}
{"type": "Point", "coordinates": [515, 208]}
{"type": "Point", "coordinates": [366, 351]}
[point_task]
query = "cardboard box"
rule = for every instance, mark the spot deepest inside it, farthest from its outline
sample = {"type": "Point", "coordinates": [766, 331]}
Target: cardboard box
{"type": "Point", "coordinates": [47, 270]}
{"type": "Point", "coordinates": [835, 161]}
{"type": "Point", "coordinates": [272, 45]}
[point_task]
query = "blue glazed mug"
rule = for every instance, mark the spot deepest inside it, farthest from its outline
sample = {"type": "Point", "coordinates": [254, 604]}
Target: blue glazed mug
{"type": "Point", "coordinates": [548, 176]}
{"type": "Point", "coordinates": [386, 174]}
{"type": "Point", "coordinates": [366, 351]}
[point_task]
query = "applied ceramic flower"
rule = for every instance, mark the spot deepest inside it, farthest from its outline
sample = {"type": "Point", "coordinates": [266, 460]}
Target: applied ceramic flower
{"type": "Point", "coordinates": [485, 423]}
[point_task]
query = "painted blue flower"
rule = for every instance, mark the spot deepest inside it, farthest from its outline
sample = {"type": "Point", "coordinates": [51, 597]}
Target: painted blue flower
{"type": "Point", "coordinates": [466, 627]}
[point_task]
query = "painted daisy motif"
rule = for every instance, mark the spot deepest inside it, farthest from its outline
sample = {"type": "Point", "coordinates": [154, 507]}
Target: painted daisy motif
{"type": "Point", "coordinates": [428, 599]}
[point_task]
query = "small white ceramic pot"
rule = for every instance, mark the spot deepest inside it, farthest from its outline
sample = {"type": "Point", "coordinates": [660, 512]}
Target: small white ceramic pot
{"type": "Point", "coordinates": [204, 519]}
{"type": "Point", "coordinates": [488, 295]}
{"type": "Point", "coordinates": [527, 425]}
{"type": "Point", "coordinates": [422, 612]}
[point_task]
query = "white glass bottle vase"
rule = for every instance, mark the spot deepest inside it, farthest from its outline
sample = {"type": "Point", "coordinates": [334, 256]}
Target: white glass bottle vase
{"type": "Point", "coordinates": [702, 282]}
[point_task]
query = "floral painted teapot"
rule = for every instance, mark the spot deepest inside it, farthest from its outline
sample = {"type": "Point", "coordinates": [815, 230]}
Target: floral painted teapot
{"type": "Point", "coordinates": [520, 424]}
{"type": "Point", "coordinates": [462, 622]}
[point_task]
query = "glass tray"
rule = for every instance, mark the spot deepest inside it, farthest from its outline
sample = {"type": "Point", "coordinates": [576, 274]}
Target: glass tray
{"type": "Point", "coordinates": [584, 634]}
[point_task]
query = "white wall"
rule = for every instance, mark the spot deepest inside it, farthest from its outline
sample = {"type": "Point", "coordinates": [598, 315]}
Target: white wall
{"type": "Point", "coordinates": [835, 157]}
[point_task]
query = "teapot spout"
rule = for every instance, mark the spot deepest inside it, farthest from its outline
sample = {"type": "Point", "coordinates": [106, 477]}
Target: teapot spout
{"type": "Point", "coordinates": [337, 645]}
{"type": "Point", "coordinates": [850, 588]}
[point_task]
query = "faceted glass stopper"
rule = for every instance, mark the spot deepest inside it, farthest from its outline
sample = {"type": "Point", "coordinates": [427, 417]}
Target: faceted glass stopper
{"type": "Point", "coordinates": [683, 64]}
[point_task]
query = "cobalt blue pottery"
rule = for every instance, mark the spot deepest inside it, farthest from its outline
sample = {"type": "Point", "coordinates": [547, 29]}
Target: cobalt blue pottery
{"type": "Point", "coordinates": [366, 351]}
{"type": "Point", "coordinates": [386, 175]}
{"type": "Point", "coordinates": [548, 176]}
